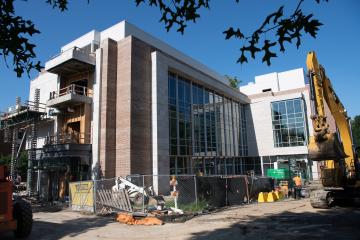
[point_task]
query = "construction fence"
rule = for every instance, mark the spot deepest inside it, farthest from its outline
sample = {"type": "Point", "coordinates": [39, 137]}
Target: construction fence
{"type": "Point", "coordinates": [145, 193]}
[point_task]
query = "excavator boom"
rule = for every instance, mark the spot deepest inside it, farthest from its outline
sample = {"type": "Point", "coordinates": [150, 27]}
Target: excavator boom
{"type": "Point", "coordinates": [325, 145]}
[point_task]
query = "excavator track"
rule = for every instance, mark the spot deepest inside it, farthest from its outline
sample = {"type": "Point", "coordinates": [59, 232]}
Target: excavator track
{"type": "Point", "coordinates": [320, 199]}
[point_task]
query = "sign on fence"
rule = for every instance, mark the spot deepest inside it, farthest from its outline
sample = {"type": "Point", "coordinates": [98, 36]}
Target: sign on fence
{"type": "Point", "coordinates": [82, 196]}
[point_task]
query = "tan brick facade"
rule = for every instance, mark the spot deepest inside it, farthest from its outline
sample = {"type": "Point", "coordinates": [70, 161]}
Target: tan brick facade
{"type": "Point", "coordinates": [125, 108]}
{"type": "Point", "coordinates": [108, 108]}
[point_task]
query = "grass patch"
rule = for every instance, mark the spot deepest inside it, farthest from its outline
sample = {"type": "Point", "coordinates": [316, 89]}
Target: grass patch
{"type": "Point", "coordinates": [198, 206]}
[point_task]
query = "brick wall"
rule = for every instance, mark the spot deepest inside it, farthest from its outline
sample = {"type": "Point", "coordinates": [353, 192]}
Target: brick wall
{"type": "Point", "coordinates": [108, 108]}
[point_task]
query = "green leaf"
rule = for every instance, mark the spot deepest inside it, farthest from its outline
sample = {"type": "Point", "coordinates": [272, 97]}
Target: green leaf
{"type": "Point", "coordinates": [268, 54]}
{"type": "Point", "coordinates": [232, 33]}
{"type": "Point", "coordinates": [229, 33]}
{"type": "Point", "coordinates": [242, 58]}
{"type": "Point", "coordinates": [312, 27]}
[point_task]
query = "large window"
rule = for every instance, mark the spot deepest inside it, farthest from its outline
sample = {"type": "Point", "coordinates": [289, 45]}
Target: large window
{"type": "Point", "coordinates": [172, 115]}
{"type": "Point", "coordinates": [288, 120]}
{"type": "Point", "coordinates": [207, 130]}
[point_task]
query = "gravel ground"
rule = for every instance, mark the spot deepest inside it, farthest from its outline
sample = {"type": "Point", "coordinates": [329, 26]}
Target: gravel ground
{"type": "Point", "coordinates": [287, 219]}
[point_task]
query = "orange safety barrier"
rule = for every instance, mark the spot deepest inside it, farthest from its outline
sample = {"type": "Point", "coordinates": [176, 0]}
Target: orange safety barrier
{"type": "Point", "coordinates": [130, 220]}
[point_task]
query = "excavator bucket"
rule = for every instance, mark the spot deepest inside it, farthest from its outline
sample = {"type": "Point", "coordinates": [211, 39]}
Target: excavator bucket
{"type": "Point", "coordinates": [329, 149]}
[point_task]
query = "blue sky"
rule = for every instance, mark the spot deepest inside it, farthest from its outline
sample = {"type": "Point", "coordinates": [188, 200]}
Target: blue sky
{"type": "Point", "coordinates": [337, 45]}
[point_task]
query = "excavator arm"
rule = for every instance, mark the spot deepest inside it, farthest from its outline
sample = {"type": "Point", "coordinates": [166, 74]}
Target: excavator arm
{"type": "Point", "coordinates": [325, 145]}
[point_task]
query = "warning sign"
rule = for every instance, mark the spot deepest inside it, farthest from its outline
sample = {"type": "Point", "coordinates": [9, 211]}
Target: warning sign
{"type": "Point", "coordinates": [82, 196]}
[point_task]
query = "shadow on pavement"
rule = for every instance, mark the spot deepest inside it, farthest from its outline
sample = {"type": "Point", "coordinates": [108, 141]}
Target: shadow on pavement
{"type": "Point", "coordinates": [338, 223]}
{"type": "Point", "coordinates": [70, 228]}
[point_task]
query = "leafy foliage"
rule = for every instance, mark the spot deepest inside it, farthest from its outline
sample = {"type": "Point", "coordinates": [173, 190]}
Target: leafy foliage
{"type": "Point", "coordinates": [234, 82]}
{"type": "Point", "coordinates": [15, 31]}
{"type": "Point", "coordinates": [177, 12]}
{"type": "Point", "coordinates": [14, 34]}
{"type": "Point", "coordinates": [355, 126]}
{"type": "Point", "coordinates": [5, 160]}
{"type": "Point", "coordinates": [21, 165]}
{"type": "Point", "coordinates": [61, 4]}
{"type": "Point", "coordinates": [288, 29]}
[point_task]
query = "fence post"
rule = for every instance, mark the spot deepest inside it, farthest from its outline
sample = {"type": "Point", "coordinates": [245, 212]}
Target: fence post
{"type": "Point", "coordinates": [94, 195]}
{"type": "Point", "coordinates": [226, 191]}
{"type": "Point", "coordinates": [143, 196]}
{"type": "Point", "coordinates": [70, 196]}
{"type": "Point", "coordinates": [247, 189]}
{"type": "Point", "coordinates": [196, 198]}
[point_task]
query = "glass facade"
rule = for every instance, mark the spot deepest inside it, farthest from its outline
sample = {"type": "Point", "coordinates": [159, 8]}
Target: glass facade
{"type": "Point", "coordinates": [207, 130]}
{"type": "Point", "coordinates": [288, 121]}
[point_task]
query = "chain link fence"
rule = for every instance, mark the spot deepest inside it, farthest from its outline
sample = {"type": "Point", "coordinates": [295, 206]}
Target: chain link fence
{"type": "Point", "coordinates": [184, 193]}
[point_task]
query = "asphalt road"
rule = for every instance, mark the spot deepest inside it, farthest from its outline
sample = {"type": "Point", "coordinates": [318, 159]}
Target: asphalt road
{"type": "Point", "coordinates": [287, 219]}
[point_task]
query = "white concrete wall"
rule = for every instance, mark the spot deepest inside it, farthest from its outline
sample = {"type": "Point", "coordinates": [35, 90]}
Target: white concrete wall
{"type": "Point", "coordinates": [281, 81]}
{"type": "Point", "coordinates": [115, 32]}
{"type": "Point", "coordinates": [46, 82]}
{"type": "Point", "coordinates": [267, 81]}
{"type": "Point", "coordinates": [160, 128]}
{"type": "Point", "coordinates": [95, 123]}
{"type": "Point", "coordinates": [83, 40]}
{"type": "Point", "coordinates": [261, 139]}
{"type": "Point", "coordinates": [291, 79]}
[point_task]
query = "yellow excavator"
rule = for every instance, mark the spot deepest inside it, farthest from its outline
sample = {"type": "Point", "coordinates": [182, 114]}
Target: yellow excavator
{"type": "Point", "coordinates": [339, 180]}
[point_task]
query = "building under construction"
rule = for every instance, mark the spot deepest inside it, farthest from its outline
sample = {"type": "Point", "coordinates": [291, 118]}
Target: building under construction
{"type": "Point", "coordinates": [19, 127]}
{"type": "Point", "coordinates": [119, 102]}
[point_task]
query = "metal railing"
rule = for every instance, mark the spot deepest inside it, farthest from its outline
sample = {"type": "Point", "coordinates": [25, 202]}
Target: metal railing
{"type": "Point", "coordinates": [72, 49]}
{"type": "Point", "coordinates": [71, 89]}
{"type": "Point", "coordinates": [68, 137]}
{"type": "Point", "coordinates": [28, 105]}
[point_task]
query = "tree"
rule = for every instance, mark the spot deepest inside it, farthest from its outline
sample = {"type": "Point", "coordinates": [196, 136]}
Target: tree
{"type": "Point", "coordinates": [16, 32]}
{"type": "Point", "coordinates": [5, 160]}
{"type": "Point", "coordinates": [234, 82]}
{"type": "Point", "coordinates": [355, 126]}
{"type": "Point", "coordinates": [21, 167]}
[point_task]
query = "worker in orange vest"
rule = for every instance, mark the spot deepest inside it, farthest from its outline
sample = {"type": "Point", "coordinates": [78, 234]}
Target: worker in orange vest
{"type": "Point", "coordinates": [297, 186]}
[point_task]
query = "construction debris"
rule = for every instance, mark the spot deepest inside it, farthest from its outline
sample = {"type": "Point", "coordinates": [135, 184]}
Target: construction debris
{"type": "Point", "coordinates": [138, 195]}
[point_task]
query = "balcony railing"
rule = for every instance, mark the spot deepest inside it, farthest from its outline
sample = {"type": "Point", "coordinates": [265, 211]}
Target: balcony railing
{"type": "Point", "coordinates": [71, 61]}
{"type": "Point", "coordinates": [74, 49]}
{"type": "Point", "coordinates": [70, 95]}
{"type": "Point", "coordinates": [68, 138]}
{"type": "Point", "coordinates": [71, 89]}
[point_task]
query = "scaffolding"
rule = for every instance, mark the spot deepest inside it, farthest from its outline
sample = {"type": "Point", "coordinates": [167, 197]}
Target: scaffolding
{"type": "Point", "coordinates": [23, 119]}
